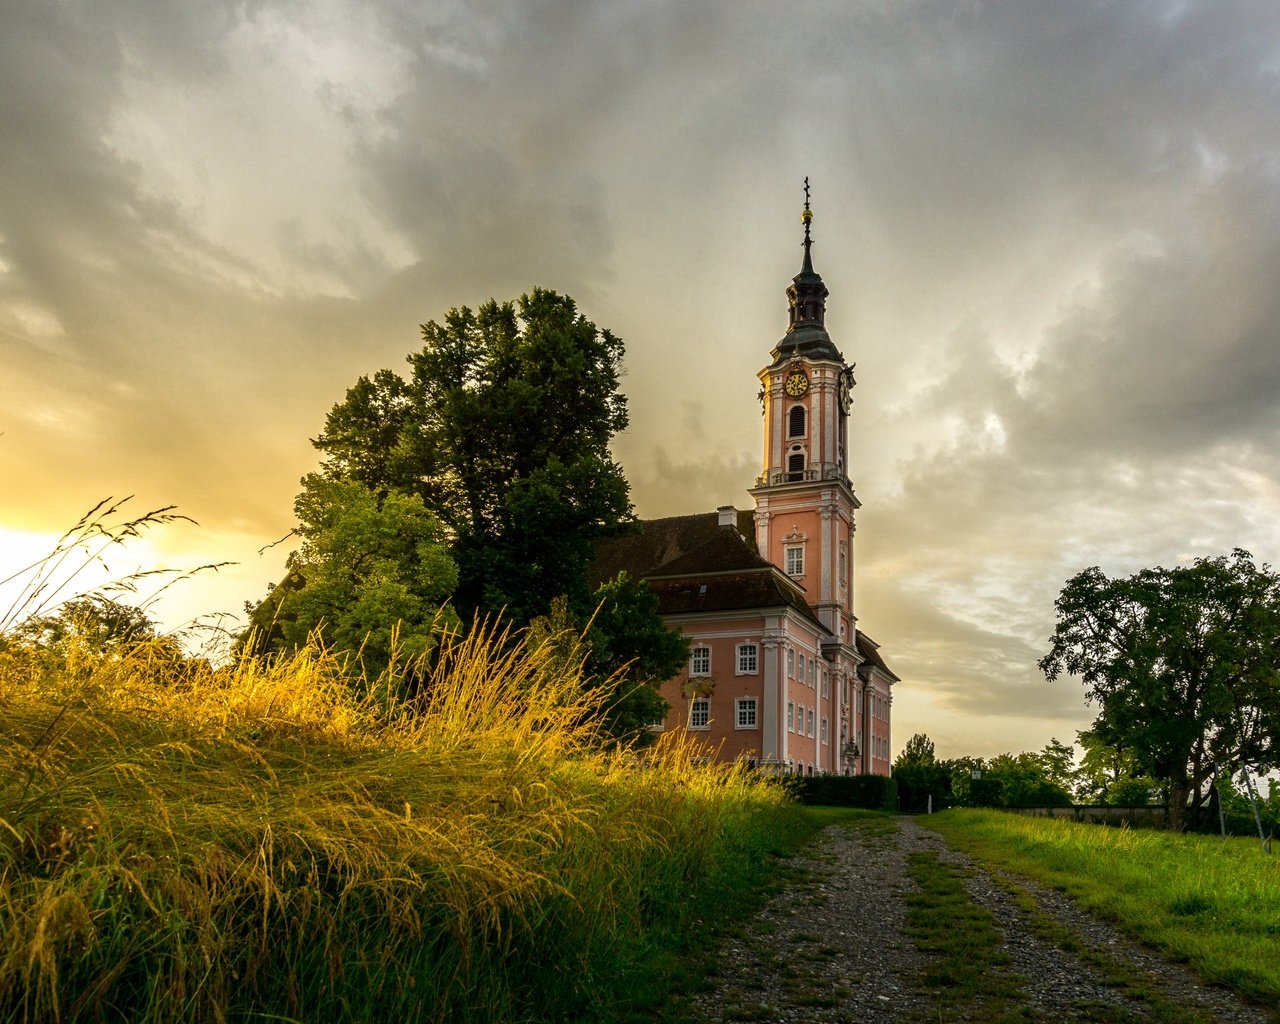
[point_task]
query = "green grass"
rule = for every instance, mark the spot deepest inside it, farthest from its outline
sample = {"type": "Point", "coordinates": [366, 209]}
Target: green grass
{"type": "Point", "coordinates": [968, 975]}
{"type": "Point", "coordinates": [180, 842]}
{"type": "Point", "coordinates": [1115, 971]}
{"type": "Point", "coordinates": [1211, 903]}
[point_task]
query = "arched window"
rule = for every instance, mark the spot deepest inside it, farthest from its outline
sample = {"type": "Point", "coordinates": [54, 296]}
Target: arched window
{"type": "Point", "coordinates": [795, 465]}
{"type": "Point", "coordinates": [795, 421]}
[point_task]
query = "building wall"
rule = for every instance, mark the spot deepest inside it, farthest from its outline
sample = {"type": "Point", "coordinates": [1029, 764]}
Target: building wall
{"type": "Point", "coordinates": [784, 641]}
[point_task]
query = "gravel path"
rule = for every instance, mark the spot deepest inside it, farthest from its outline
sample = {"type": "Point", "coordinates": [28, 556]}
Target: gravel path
{"type": "Point", "coordinates": [829, 947]}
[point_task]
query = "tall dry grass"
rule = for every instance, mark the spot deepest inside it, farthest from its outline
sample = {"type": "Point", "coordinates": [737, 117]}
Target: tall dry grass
{"type": "Point", "coordinates": [186, 842]}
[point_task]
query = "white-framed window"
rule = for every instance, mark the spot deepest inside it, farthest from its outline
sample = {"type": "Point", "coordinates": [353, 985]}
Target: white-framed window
{"type": "Point", "coordinates": [795, 560]}
{"type": "Point", "coordinates": [844, 563]}
{"type": "Point", "coordinates": [810, 712]}
{"type": "Point", "coordinates": [748, 659]}
{"type": "Point", "coordinates": [700, 713]}
{"type": "Point", "coordinates": [824, 729]}
{"type": "Point", "coordinates": [800, 667]}
{"type": "Point", "coordinates": [791, 716]}
{"type": "Point", "coordinates": [826, 684]}
{"type": "Point", "coordinates": [746, 712]}
{"type": "Point", "coordinates": [795, 421]}
{"type": "Point", "coordinates": [813, 673]}
{"type": "Point", "coordinates": [791, 663]}
{"type": "Point", "coordinates": [700, 661]}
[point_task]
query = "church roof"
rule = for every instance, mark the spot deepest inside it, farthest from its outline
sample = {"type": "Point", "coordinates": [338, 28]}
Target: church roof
{"type": "Point", "coordinates": [659, 542]}
{"type": "Point", "coordinates": [743, 591]}
{"type": "Point", "coordinates": [694, 564]}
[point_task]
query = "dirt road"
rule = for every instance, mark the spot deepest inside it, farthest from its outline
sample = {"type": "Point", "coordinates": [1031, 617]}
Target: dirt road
{"type": "Point", "coordinates": [830, 946]}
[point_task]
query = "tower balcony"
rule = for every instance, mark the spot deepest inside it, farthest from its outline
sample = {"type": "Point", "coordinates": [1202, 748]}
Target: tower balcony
{"type": "Point", "coordinates": [813, 474]}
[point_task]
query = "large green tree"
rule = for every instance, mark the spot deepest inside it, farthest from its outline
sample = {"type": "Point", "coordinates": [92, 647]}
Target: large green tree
{"type": "Point", "coordinates": [502, 430]}
{"type": "Point", "coordinates": [1184, 664]}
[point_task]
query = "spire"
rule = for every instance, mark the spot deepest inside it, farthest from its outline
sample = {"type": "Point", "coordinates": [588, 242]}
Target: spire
{"type": "Point", "coordinates": [807, 302]}
{"type": "Point", "coordinates": [807, 217]}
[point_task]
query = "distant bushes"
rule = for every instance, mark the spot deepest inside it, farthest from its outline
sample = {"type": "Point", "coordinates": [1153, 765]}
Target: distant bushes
{"type": "Point", "coordinates": [871, 792]}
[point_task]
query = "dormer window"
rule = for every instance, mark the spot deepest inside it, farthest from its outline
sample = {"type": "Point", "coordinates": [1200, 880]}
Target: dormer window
{"type": "Point", "coordinates": [796, 421]}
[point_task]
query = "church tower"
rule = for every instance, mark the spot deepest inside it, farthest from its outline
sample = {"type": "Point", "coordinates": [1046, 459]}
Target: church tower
{"type": "Point", "coordinates": [805, 504]}
{"type": "Point", "coordinates": [779, 674]}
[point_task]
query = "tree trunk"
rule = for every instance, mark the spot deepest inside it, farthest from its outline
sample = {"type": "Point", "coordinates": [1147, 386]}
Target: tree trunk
{"type": "Point", "coordinates": [1178, 792]}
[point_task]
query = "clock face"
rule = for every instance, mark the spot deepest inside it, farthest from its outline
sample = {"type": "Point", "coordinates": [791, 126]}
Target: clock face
{"type": "Point", "coordinates": [797, 383]}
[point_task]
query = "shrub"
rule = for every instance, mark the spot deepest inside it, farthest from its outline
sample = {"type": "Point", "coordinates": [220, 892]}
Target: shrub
{"type": "Point", "coordinates": [986, 792]}
{"type": "Point", "coordinates": [871, 792]}
{"type": "Point", "coordinates": [1130, 792]}
{"type": "Point", "coordinates": [923, 785]}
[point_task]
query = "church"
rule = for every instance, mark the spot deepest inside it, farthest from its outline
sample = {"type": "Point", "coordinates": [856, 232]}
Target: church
{"type": "Point", "coordinates": [779, 673]}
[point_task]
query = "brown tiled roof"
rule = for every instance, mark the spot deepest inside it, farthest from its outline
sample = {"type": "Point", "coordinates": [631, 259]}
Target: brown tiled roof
{"type": "Point", "coordinates": [725, 550]}
{"type": "Point", "coordinates": [661, 541]}
{"type": "Point", "coordinates": [739, 591]}
{"type": "Point", "coordinates": [693, 564]}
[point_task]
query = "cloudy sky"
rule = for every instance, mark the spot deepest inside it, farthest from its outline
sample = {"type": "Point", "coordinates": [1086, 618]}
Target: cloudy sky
{"type": "Point", "coordinates": [1051, 232]}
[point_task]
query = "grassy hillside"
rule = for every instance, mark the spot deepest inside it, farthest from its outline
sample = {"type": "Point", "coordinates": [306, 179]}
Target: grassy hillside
{"type": "Point", "coordinates": [180, 842]}
{"type": "Point", "coordinates": [1210, 902]}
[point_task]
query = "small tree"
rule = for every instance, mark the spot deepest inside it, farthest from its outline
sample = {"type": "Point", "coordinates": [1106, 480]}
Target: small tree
{"type": "Point", "coordinates": [92, 622]}
{"type": "Point", "coordinates": [631, 646]}
{"type": "Point", "coordinates": [919, 750]}
{"type": "Point", "coordinates": [1025, 782]}
{"type": "Point", "coordinates": [371, 578]}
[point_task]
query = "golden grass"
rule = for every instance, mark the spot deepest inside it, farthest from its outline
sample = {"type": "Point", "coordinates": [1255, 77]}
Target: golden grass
{"type": "Point", "coordinates": [181, 841]}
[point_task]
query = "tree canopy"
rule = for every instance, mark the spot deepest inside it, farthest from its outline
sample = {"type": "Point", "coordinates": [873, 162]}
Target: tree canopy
{"type": "Point", "coordinates": [372, 574]}
{"type": "Point", "coordinates": [91, 621]}
{"type": "Point", "coordinates": [1184, 664]}
{"type": "Point", "coordinates": [503, 431]}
